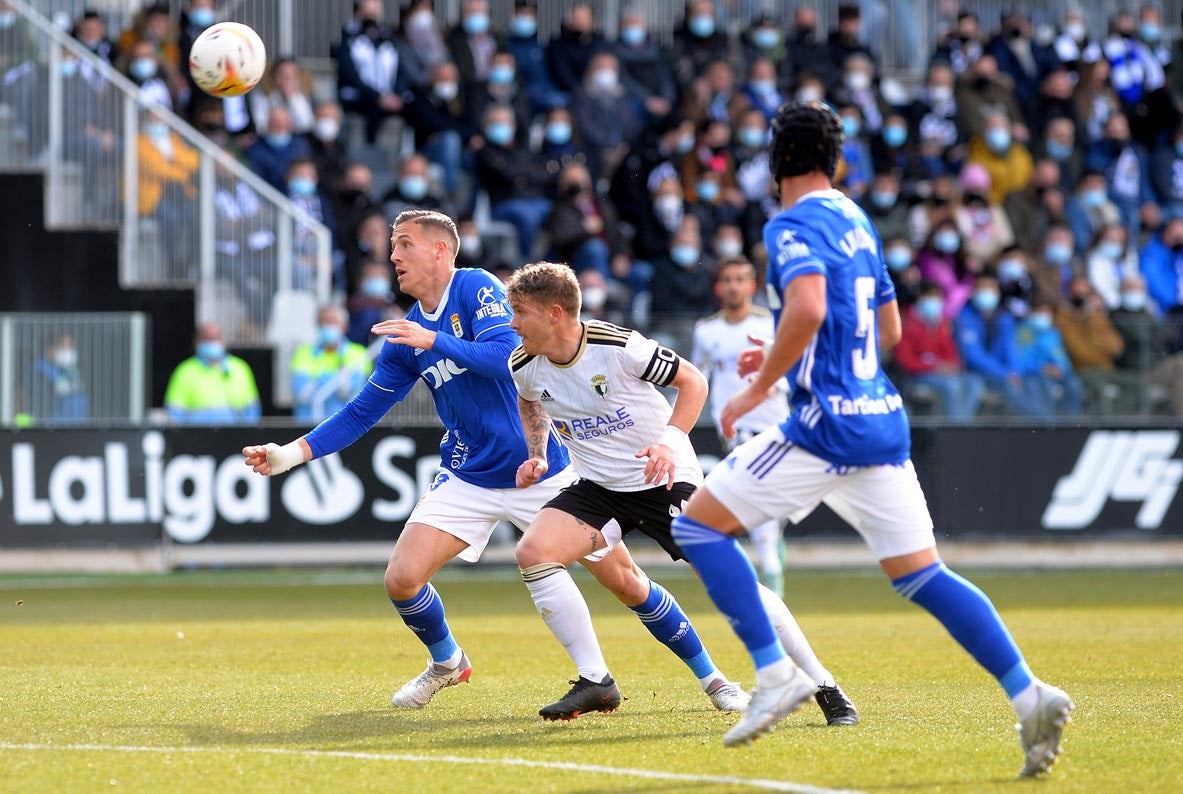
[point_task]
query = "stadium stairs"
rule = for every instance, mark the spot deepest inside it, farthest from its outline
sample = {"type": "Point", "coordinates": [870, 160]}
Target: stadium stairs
{"type": "Point", "coordinates": [78, 271]}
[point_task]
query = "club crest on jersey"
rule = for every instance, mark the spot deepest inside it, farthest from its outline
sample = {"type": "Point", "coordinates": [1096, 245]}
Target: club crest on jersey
{"type": "Point", "coordinates": [600, 384]}
{"type": "Point", "coordinates": [456, 327]}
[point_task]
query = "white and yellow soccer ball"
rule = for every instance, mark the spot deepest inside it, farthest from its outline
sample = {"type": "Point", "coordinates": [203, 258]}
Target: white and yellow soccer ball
{"type": "Point", "coordinates": [227, 59]}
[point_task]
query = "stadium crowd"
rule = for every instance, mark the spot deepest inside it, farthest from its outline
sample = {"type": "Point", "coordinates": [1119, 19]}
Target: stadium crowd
{"type": "Point", "coordinates": [1028, 189]}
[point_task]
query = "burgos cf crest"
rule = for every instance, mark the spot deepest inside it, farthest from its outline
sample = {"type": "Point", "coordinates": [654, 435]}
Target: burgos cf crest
{"type": "Point", "coordinates": [600, 384]}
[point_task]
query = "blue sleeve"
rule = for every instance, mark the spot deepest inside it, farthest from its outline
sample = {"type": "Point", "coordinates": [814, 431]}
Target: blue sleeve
{"type": "Point", "coordinates": [789, 252]}
{"type": "Point", "coordinates": [391, 382]}
{"type": "Point", "coordinates": [885, 291]}
{"type": "Point", "coordinates": [481, 297]}
{"type": "Point", "coordinates": [488, 357]}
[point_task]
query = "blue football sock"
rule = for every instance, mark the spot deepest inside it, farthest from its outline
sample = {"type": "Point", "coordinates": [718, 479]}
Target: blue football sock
{"type": "Point", "coordinates": [424, 615]}
{"type": "Point", "coordinates": [666, 621]}
{"type": "Point", "coordinates": [730, 581]}
{"type": "Point", "coordinates": [968, 615]}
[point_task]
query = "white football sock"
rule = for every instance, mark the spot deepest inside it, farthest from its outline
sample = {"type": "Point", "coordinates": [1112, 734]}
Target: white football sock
{"type": "Point", "coordinates": [565, 613]}
{"type": "Point", "coordinates": [793, 639]}
{"type": "Point", "coordinates": [766, 540]}
{"type": "Point", "coordinates": [775, 674]}
{"type": "Point", "coordinates": [1026, 701]}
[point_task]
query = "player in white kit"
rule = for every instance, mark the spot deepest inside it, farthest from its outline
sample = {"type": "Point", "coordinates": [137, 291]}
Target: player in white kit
{"type": "Point", "coordinates": [596, 383]}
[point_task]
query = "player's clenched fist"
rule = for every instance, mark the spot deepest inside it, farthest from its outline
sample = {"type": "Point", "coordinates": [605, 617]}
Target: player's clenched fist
{"type": "Point", "coordinates": [531, 471]}
{"type": "Point", "coordinates": [272, 459]}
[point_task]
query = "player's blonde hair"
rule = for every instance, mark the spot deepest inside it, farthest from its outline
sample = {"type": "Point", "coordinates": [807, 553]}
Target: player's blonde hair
{"type": "Point", "coordinates": [435, 220]}
{"type": "Point", "coordinates": [546, 283]}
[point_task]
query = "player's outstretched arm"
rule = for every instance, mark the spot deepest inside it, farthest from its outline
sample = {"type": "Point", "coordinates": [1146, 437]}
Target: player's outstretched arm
{"type": "Point", "coordinates": [486, 356]}
{"type": "Point", "coordinates": [891, 328]}
{"type": "Point", "coordinates": [271, 459]}
{"type": "Point", "coordinates": [803, 312]}
{"type": "Point", "coordinates": [536, 428]}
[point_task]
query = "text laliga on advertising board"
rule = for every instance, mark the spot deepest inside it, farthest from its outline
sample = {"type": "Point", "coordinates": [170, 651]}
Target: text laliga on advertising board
{"type": "Point", "coordinates": [80, 487]}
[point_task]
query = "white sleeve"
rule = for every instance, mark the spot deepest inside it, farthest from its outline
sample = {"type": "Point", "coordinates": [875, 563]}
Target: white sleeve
{"type": "Point", "coordinates": [522, 380]}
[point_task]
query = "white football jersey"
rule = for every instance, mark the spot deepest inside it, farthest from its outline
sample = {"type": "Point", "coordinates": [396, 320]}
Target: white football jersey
{"type": "Point", "coordinates": [717, 345]}
{"type": "Point", "coordinates": [606, 406]}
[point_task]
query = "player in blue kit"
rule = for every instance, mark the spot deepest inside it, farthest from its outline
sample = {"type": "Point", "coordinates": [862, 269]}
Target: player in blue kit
{"type": "Point", "coordinates": [846, 443]}
{"type": "Point", "coordinates": [457, 339]}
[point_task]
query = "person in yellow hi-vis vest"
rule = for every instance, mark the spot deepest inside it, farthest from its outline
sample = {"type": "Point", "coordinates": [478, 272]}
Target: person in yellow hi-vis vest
{"type": "Point", "coordinates": [328, 372]}
{"type": "Point", "coordinates": [212, 387]}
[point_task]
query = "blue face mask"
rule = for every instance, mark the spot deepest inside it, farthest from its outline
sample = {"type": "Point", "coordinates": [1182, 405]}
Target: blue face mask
{"type": "Point", "coordinates": [1133, 301]}
{"type": "Point", "coordinates": [1092, 198]}
{"type": "Point", "coordinates": [1111, 250]}
{"type": "Point", "coordinates": [475, 24]}
{"type": "Point", "coordinates": [211, 352]}
{"type": "Point", "coordinates": [751, 137]}
{"type": "Point", "coordinates": [1058, 254]}
{"type": "Point", "coordinates": [558, 132]}
{"type": "Point", "coordinates": [143, 68]}
{"type": "Point", "coordinates": [7, 19]}
{"type": "Point", "coordinates": [930, 309]}
{"type": "Point", "coordinates": [328, 335]}
{"type": "Point", "coordinates": [279, 139]}
{"type": "Point", "coordinates": [413, 187]}
{"type": "Point", "coordinates": [1058, 151]}
{"type": "Point", "coordinates": [707, 191]}
{"type": "Point", "coordinates": [1150, 32]}
{"type": "Point", "coordinates": [156, 130]}
{"type": "Point", "coordinates": [501, 74]}
{"type": "Point", "coordinates": [684, 255]}
{"type": "Point", "coordinates": [766, 38]}
{"type": "Point", "coordinates": [376, 287]}
{"type": "Point", "coordinates": [897, 258]}
{"type": "Point", "coordinates": [702, 25]}
{"type": "Point", "coordinates": [998, 140]}
{"type": "Point", "coordinates": [523, 26]}
{"type": "Point", "coordinates": [946, 241]}
{"type": "Point", "coordinates": [1040, 321]}
{"type": "Point", "coordinates": [883, 199]}
{"type": "Point", "coordinates": [985, 300]}
{"type": "Point", "coordinates": [69, 68]}
{"type": "Point", "coordinates": [895, 136]}
{"type": "Point", "coordinates": [302, 187]}
{"type": "Point", "coordinates": [851, 126]}
{"type": "Point", "coordinates": [763, 87]}
{"type": "Point", "coordinates": [201, 17]}
{"type": "Point", "coordinates": [1011, 270]}
{"type": "Point", "coordinates": [499, 133]}
{"type": "Point", "coordinates": [633, 35]}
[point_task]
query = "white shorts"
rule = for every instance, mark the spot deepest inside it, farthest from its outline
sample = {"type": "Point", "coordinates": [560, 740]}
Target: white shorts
{"type": "Point", "coordinates": [471, 513]}
{"type": "Point", "coordinates": [770, 478]}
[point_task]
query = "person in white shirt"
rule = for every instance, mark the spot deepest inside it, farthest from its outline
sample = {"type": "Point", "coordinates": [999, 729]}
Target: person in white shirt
{"type": "Point", "coordinates": [719, 340]}
{"type": "Point", "coordinates": [596, 384]}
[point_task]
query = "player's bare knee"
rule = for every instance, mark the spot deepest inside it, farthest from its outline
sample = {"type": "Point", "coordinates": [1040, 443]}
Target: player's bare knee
{"type": "Point", "coordinates": [401, 584]}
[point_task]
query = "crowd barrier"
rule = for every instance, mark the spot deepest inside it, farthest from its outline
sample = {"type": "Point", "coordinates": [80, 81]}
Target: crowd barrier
{"type": "Point", "coordinates": [138, 487]}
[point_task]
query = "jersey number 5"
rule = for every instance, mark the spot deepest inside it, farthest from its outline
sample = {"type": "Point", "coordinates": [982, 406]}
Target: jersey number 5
{"type": "Point", "coordinates": [865, 362]}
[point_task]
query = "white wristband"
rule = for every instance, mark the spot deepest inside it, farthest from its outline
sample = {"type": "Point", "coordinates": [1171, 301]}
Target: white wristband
{"type": "Point", "coordinates": [284, 458]}
{"type": "Point", "coordinates": [673, 437]}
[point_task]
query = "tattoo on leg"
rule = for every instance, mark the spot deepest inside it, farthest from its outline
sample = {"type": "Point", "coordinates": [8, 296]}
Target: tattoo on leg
{"type": "Point", "coordinates": [592, 537]}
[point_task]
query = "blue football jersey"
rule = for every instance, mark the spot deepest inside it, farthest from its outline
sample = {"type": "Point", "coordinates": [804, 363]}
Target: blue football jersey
{"type": "Point", "coordinates": [845, 410]}
{"type": "Point", "coordinates": [483, 442]}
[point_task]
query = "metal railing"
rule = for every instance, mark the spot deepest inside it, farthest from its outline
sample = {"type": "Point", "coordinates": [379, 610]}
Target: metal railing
{"type": "Point", "coordinates": [189, 214]}
{"type": "Point", "coordinates": [72, 368]}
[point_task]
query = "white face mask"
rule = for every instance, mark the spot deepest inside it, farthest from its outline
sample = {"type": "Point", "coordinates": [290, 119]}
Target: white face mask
{"type": "Point", "coordinates": [447, 91]}
{"type": "Point", "coordinates": [326, 129]}
{"type": "Point", "coordinates": [858, 81]}
{"type": "Point", "coordinates": [594, 298]}
{"type": "Point", "coordinates": [728, 248]}
{"type": "Point", "coordinates": [66, 358]}
{"type": "Point", "coordinates": [471, 244]}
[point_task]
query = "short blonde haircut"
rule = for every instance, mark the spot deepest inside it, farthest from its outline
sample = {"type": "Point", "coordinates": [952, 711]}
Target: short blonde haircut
{"type": "Point", "coordinates": [548, 284]}
{"type": "Point", "coordinates": [435, 220]}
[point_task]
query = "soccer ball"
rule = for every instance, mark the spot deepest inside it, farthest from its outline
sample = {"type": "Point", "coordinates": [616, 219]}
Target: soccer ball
{"type": "Point", "coordinates": [227, 59]}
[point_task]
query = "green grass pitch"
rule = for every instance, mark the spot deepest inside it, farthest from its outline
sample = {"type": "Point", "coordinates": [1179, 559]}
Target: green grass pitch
{"type": "Point", "coordinates": [277, 681]}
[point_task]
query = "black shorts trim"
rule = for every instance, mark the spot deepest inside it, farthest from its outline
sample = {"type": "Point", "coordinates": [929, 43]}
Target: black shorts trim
{"type": "Point", "coordinates": [650, 512]}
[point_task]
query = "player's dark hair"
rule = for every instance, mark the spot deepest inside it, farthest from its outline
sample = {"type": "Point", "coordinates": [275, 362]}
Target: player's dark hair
{"type": "Point", "coordinates": [806, 137]}
{"type": "Point", "coordinates": [548, 284]}
{"type": "Point", "coordinates": [433, 220]}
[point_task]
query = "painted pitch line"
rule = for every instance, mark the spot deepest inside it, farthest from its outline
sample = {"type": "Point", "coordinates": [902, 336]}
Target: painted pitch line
{"type": "Point", "coordinates": [756, 783]}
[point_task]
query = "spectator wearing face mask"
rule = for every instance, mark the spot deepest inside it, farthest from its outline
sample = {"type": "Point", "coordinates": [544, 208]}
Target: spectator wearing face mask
{"type": "Point", "coordinates": [885, 209]}
{"type": "Point", "coordinates": [372, 301]}
{"type": "Point", "coordinates": [561, 142]}
{"type": "Point", "coordinates": [858, 84]}
{"type": "Point", "coordinates": [727, 243]}
{"type": "Point", "coordinates": [854, 168]}
{"type": "Point", "coordinates": [212, 387]}
{"type": "Point", "coordinates": [1008, 162]}
{"type": "Point", "coordinates": [807, 53]}
{"type": "Point", "coordinates": [845, 40]}
{"type": "Point", "coordinates": [472, 43]}
{"type": "Point", "coordinates": [1092, 343]}
{"type": "Point", "coordinates": [503, 87]}
{"type": "Point", "coordinates": [518, 182]}
{"type": "Point", "coordinates": [1024, 60]}
{"type": "Point", "coordinates": [984, 227]}
{"type": "Point", "coordinates": [982, 90]}
{"type": "Point", "coordinates": [944, 261]}
{"type": "Point", "coordinates": [599, 301]}
{"type": "Point", "coordinates": [1044, 364]}
{"type": "Point", "coordinates": [894, 151]}
{"type": "Point", "coordinates": [645, 66]}
{"type": "Point", "coordinates": [986, 340]}
{"type": "Point", "coordinates": [195, 18]}
{"type": "Point", "coordinates": [901, 267]}
{"type": "Point", "coordinates": [682, 290]}
{"type": "Point", "coordinates": [271, 155]}
{"type": "Point", "coordinates": [1058, 263]}
{"type": "Point", "coordinates": [712, 153]}
{"type": "Point", "coordinates": [89, 29]}
{"type": "Point", "coordinates": [1089, 209]}
{"type": "Point", "coordinates": [1016, 287]}
{"type": "Point", "coordinates": [1108, 261]}
{"type": "Point", "coordinates": [1059, 145]}
{"type": "Point", "coordinates": [606, 116]}
{"type": "Point", "coordinates": [760, 89]}
{"type": "Point", "coordinates": [1138, 78]}
{"type": "Point", "coordinates": [765, 38]}
{"type": "Point", "coordinates": [412, 190]}
{"type": "Point", "coordinates": [1032, 210]}
{"type": "Point", "coordinates": [663, 217]}
{"type": "Point", "coordinates": [57, 392]}
{"type": "Point", "coordinates": [1073, 46]}
{"type": "Point", "coordinates": [710, 207]}
{"type": "Point", "coordinates": [530, 56]}
{"type": "Point", "coordinates": [425, 47]}
{"type": "Point", "coordinates": [475, 250]}
{"type": "Point", "coordinates": [939, 204]}
{"type": "Point", "coordinates": [443, 130]}
{"type": "Point", "coordinates": [328, 150]}
{"type": "Point", "coordinates": [934, 113]}
{"type": "Point", "coordinates": [303, 190]}
{"type": "Point", "coordinates": [584, 228]}
{"type": "Point", "coordinates": [1150, 347]}
{"type": "Point", "coordinates": [168, 189]}
{"type": "Point", "coordinates": [370, 81]}
{"type": "Point", "coordinates": [698, 41]}
{"type": "Point", "coordinates": [1161, 260]}
{"type": "Point", "coordinates": [962, 45]}
{"type": "Point", "coordinates": [327, 373]}
{"type": "Point", "coordinates": [570, 52]}
{"type": "Point", "coordinates": [928, 357]}
{"type": "Point", "coordinates": [1129, 175]}
{"type": "Point", "coordinates": [144, 67]}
